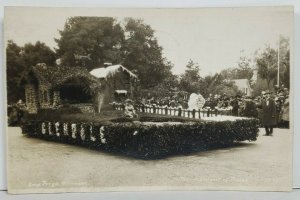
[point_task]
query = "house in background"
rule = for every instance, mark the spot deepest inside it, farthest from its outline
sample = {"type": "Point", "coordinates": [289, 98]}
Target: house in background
{"type": "Point", "coordinates": [244, 86]}
{"type": "Point", "coordinates": [117, 82]}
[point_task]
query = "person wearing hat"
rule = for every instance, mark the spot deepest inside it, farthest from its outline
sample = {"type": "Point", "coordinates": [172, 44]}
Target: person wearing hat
{"type": "Point", "coordinates": [285, 113]}
{"type": "Point", "coordinates": [268, 113]}
{"type": "Point", "coordinates": [279, 101]}
{"type": "Point", "coordinates": [235, 105]}
{"type": "Point", "coordinates": [129, 109]}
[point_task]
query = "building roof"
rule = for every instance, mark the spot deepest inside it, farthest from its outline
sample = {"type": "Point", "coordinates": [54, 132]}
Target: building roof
{"type": "Point", "coordinates": [243, 83]}
{"type": "Point", "coordinates": [55, 76]}
{"type": "Point", "coordinates": [106, 72]}
{"type": "Point", "coordinates": [121, 91]}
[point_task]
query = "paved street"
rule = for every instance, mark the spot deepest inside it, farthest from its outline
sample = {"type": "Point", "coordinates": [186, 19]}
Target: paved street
{"type": "Point", "coordinates": [48, 166]}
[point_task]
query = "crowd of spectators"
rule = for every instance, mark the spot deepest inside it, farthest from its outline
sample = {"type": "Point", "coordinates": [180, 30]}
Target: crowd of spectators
{"type": "Point", "coordinates": [252, 106]}
{"type": "Point", "coordinates": [169, 102]}
{"type": "Point", "coordinates": [239, 105]}
{"type": "Point", "coordinates": [247, 106]}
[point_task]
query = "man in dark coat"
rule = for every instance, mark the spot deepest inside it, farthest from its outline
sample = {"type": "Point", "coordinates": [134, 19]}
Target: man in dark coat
{"type": "Point", "coordinates": [268, 113]}
{"type": "Point", "coordinates": [235, 106]}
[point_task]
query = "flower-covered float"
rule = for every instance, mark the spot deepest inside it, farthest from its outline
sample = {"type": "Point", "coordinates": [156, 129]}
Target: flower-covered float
{"type": "Point", "coordinates": [149, 136]}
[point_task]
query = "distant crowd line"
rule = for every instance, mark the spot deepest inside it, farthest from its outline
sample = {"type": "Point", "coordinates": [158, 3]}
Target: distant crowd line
{"type": "Point", "coordinates": [240, 105]}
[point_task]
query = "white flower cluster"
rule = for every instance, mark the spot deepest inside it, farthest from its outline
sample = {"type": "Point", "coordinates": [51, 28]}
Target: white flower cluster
{"type": "Point", "coordinates": [82, 132]}
{"type": "Point", "coordinates": [65, 129]}
{"type": "Point", "coordinates": [196, 101]}
{"type": "Point", "coordinates": [43, 128]}
{"type": "Point", "coordinates": [57, 129]}
{"type": "Point", "coordinates": [74, 129]}
{"type": "Point", "coordinates": [102, 138]}
{"type": "Point", "coordinates": [92, 137]}
{"type": "Point", "coordinates": [50, 129]}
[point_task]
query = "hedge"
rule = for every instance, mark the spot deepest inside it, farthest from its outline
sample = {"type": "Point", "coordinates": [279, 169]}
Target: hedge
{"type": "Point", "coordinates": [146, 140]}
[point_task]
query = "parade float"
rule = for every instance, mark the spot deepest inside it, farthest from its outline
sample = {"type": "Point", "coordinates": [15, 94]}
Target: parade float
{"type": "Point", "coordinates": [153, 133]}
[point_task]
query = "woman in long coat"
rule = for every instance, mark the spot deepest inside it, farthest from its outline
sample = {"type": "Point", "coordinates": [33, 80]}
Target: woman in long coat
{"type": "Point", "coordinates": [268, 114]}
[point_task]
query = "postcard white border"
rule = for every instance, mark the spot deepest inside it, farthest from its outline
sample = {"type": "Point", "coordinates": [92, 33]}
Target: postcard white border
{"type": "Point", "coordinates": [158, 3]}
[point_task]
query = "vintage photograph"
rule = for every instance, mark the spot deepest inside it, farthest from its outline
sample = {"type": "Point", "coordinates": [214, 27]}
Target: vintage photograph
{"type": "Point", "coordinates": [119, 99]}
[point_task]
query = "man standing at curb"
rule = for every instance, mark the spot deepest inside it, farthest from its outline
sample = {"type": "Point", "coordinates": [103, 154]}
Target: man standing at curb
{"type": "Point", "coordinates": [268, 113]}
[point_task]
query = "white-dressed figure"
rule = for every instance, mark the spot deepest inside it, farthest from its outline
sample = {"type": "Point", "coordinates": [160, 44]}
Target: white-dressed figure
{"type": "Point", "coordinates": [196, 101]}
{"type": "Point", "coordinates": [129, 109]}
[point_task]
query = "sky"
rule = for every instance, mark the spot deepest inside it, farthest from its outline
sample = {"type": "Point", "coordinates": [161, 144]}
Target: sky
{"type": "Point", "coordinates": [215, 38]}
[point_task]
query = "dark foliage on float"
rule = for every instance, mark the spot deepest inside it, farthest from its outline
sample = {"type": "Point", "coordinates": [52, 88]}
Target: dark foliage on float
{"type": "Point", "coordinates": [146, 140]}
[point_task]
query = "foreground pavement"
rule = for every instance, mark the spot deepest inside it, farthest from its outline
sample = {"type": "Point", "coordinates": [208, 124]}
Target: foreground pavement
{"type": "Point", "coordinates": [42, 166]}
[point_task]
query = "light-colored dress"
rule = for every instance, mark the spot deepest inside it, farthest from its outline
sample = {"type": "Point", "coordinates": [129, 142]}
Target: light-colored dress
{"type": "Point", "coordinates": [129, 111]}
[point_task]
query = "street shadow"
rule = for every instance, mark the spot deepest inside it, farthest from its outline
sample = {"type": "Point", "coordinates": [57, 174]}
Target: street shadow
{"type": "Point", "coordinates": [199, 151]}
{"type": "Point", "coordinates": [204, 152]}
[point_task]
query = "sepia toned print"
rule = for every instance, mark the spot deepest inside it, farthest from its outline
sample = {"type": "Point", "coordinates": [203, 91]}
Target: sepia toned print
{"type": "Point", "coordinates": [149, 99]}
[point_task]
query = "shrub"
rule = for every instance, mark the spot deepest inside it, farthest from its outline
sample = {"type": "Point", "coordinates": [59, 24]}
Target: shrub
{"type": "Point", "coordinates": [146, 140]}
{"type": "Point", "coordinates": [53, 114]}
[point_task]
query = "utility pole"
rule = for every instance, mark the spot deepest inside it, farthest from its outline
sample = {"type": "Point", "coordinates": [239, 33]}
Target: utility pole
{"type": "Point", "coordinates": [278, 63]}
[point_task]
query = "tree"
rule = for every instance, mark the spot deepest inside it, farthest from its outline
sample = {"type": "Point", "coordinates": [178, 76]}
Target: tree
{"type": "Point", "coordinates": [285, 69]}
{"type": "Point", "coordinates": [15, 67]}
{"type": "Point", "coordinates": [90, 41]}
{"type": "Point", "coordinates": [267, 65]}
{"type": "Point", "coordinates": [229, 73]}
{"type": "Point", "coordinates": [37, 53]}
{"type": "Point", "coordinates": [244, 70]}
{"type": "Point", "coordinates": [214, 81]}
{"type": "Point", "coordinates": [284, 55]}
{"type": "Point", "coordinates": [167, 87]}
{"type": "Point", "coordinates": [259, 86]}
{"type": "Point", "coordinates": [190, 80]}
{"type": "Point", "coordinates": [228, 88]}
{"type": "Point", "coordinates": [143, 54]}
{"type": "Point", "coordinates": [19, 60]}
{"type": "Point", "coordinates": [170, 82]}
